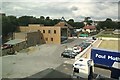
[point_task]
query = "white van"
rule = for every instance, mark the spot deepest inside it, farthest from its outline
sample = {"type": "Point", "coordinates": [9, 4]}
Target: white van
{"type": "Point", "coordinates": [83, 68]}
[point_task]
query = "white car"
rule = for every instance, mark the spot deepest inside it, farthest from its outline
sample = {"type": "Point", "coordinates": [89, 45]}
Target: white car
{"type": "Point", "coordinates": [74, 49]}
{"type": "Point", "coordinates": [77, 49]}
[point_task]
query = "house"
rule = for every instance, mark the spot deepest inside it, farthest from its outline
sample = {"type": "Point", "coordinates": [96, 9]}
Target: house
{"type": "Point", "coordinates": [89, 29]}
{"type": "Point", "coordinates": [49, 34]}
{"type": "Point", "coordinates": [117, 31]}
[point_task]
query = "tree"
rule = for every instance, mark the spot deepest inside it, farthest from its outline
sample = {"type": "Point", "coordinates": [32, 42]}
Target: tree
{"type": "Point", "coordinates": [109, 19]}
{"type": "Point", "coordinates": [78, 25]}
{"type": "Point", "coordinates": [71, 22]}
{"type": "Point", "coordinates": [42, 18]}
{"type": "Point", "coordinates": [88, 21]}
{"type": "Point", "coordinates": [108, 23]}
{"type": "Point", "coordinates": [23, 20]}
{"type": "Point", "coordinates": [118, 25]}
{"type": "Point", "coordinates": [47, 18]}
{"type": "Point", "coordinates": [100, 25]}
{"type": "Point", "coordinates": [13, 22]}
{"type": "Point", "coordinates": [56, 21]}
{"type": "Point", "coordinates": [9, 25]}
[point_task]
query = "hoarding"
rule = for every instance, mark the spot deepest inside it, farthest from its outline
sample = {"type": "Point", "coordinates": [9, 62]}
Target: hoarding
{"type": "Point", "coordinates": [107, 58]}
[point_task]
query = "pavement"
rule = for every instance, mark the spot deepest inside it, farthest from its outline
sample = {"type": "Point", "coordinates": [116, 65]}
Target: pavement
{"type": "Point", "coordinates": [34, 60]}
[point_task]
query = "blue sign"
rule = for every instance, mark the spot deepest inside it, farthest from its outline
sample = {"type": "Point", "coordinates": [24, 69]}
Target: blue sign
{"type": "Point", "coordinates": [105, 57]}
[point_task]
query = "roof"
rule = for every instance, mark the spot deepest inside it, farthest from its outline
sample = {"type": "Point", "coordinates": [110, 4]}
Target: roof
{"type": "Point", "coordinates": [117, 31]}
{"type": "Point", "coordinates": [89, 27]}
{"type": "Point", "coordinates": [15, 41]}
{"type": "Point", "coordinates": [25, 32]}
{"type": "Point", "coordinates": [63, 24]}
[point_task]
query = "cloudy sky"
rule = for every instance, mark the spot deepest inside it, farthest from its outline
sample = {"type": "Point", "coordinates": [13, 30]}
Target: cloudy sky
{"type": "Point", "coordinates": [75, 9]}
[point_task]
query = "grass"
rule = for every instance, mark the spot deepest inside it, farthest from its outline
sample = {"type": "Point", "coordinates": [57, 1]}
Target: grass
{"type": "Point", "coordinates": [110, 44]}
{"type": "Point", "coordinates": [108, 34]}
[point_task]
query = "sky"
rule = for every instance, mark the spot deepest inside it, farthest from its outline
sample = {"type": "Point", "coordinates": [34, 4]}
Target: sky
{"type": "Point", "coordinates": [55, 9]}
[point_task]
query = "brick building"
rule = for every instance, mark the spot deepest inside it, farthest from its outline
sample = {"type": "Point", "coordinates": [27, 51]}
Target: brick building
{"type": "Point", "coordinates": [47, 34]}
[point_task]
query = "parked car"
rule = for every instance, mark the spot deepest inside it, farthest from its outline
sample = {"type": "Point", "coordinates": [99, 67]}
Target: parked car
{"type": "Point", "coordinates": [69, 53]}
{"type": "Point", "coordinates": [83, 45]}
{"type": "Point", "coordinates": [5, 46]}
{"type": "Point", "coordinates": [89, 41]}
{"type": "Point", "coordinates": [77, 49]}
{"type": "Point", "coordinates": [94, 38]}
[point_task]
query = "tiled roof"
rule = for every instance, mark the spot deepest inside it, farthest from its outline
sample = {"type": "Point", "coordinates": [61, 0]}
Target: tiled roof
{"type": "Point", "coordinates": [89, 27]}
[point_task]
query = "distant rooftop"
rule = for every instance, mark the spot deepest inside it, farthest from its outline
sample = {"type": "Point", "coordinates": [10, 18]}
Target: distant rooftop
{"type": "Point", "coordinates": [15, 41]}
{"type": "Point", "coordinates": [89, 27]}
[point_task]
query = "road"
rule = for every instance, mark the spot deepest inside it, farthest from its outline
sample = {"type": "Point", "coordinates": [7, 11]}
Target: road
{"type": "Point", "coordinates": [27, 63]}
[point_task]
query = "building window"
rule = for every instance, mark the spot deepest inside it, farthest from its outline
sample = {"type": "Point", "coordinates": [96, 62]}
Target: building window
{"type": "Point", "coordinates": [48, 31]}
{"type": "Point", "coordinates": [46, 39]}
{"type": "Point", "coordinates": [43, 31]}
{"type": "Point", "coordinates": [51, 39]}
{"type": "Point", "coordinates": [41, 37]}
{"type": "Point", "coordinates": [54, 31]}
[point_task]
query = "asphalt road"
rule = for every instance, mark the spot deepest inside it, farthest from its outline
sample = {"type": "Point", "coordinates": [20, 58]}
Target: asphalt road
{"type": "Point", "coordinates": [39, 58]}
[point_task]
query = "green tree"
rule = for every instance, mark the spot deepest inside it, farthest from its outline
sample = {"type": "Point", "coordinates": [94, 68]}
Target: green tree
{"type": "Point", "coordinates": [56, 21]}
{"type": "Point", "coordinates": [42, 18]}
{"type": "Point", "coordinates": [100, 25]}
{"type": "Point", "coordinates": [9, 25]}
{"type": "Point", "coordinates": [14, 23]}
{"type": "Point", "coordinates": [108, 23]}
{"type": "Point", "coordinates": [48, 21]}
{"type": "Point", "coordinates": [47, 18]}
{"type": "Point", "coordinates": [71, 22]}
{"type": "Point", "coordinates": [24, 20]}
{"type": "Point", "coordinates": [88, 21]}
{"type": "Point", "coordinates": [78, 25]}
